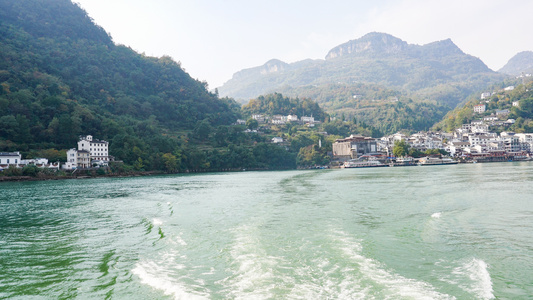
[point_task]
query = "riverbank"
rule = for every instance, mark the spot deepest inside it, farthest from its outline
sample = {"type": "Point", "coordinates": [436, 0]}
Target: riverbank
{"type": "Point", "coordinates": [44, 177]}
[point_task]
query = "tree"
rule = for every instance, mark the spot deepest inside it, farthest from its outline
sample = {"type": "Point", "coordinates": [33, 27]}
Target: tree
{"type": "Point", "coordinates": [252, 124]}
{"type": "Point", "coordinates": [202, 130]}
{"type": "Point", "coordinates": [171, 162]}
{"type": "Point", "coordinates": [401, 148]}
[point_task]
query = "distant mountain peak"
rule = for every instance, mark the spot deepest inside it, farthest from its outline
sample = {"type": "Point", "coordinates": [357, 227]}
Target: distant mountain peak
{"type": "Point", "coordinates": [444, 47]}
{"type": "Point", "coordinates": [273, 65]}
{"type": "Point", "coordinates": [375, 58]}
{"type": "Point", "coordinates": [371, 43]}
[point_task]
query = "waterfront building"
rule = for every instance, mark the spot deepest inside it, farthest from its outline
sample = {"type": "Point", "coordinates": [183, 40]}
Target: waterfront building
{"type": "Point", "coordinates": [9, 158]}
{"type": "Point", "coordinates": [89, 151]}
{"type": "Point", "coordinates": [354, 146]}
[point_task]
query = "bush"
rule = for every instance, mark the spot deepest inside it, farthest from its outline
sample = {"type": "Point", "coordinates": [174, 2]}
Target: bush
{"type": "Point", "coordinates": [13, 171]}
{"type": "Point", "coordinates": [30, 170]}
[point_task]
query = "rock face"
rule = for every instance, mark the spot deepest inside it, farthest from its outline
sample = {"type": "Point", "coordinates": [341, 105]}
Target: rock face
{"type": "Point", "coordinates": [520, 63]}
{"type": "Point", "coordinates": [376, 58]}
{"type": "Point", "coordinates": [372, 43]}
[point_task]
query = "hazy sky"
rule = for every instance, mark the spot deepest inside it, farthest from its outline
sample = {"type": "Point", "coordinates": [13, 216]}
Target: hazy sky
{"type": "Point", "coordinates": [214, 39]}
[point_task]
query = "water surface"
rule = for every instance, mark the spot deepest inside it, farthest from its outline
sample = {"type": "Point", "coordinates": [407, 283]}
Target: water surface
{"type": "Point", "coordinates": [436, 232]}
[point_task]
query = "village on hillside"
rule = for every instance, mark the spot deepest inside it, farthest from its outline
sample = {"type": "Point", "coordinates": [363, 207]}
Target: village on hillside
{"type": "Point", "coordinates": [487, 138]}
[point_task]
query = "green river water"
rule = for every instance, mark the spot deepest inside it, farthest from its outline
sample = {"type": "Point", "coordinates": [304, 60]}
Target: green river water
{"type": "Point", "coordinates": [435, 232]}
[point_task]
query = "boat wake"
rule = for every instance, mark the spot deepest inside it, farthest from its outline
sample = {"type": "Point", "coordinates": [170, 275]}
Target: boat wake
{"type": "Point", "coordinates": [383, 283]}
{"type": "Point", "coordinates": [472, 276]}
{"type": "Point", "coordinates": [478, 273]}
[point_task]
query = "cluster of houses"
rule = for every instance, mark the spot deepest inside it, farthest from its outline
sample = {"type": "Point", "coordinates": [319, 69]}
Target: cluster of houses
{"type": "Point", "coordinates": [472, 141]}
{"type": "Point", "coordinates": [280, 119]}
{"type": "Point", "coordinates": [90, 153]}
{"type": "Point", "coordinates": [15, 159]}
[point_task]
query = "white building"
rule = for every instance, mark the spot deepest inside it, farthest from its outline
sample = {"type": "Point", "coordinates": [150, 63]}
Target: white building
{"type": "Point", "coordinates": [35, 161]}
{"type": "Point", "coordinates": [277, 140]}
{"type": "Point", "coordinates": [90, 151]}
{"type": "Point", "coordinates": [292, 118]}
{"type": "Point", "coordinates": [480, 108]}
{"type": "Point", "coordinates": [278, 119]}
{"type": "Point", "coordinates": [306, 119]}
{"type": "Point", "coordinates": [502, 112]}
{"type": "Point", "coordinates": [9, 158]}
{"type": "Point", "coordinates": [259, 118]}
{"type": "Point", "coordinates": [99, 150]}
{"type": "Point", "coordinates": [485, 95]}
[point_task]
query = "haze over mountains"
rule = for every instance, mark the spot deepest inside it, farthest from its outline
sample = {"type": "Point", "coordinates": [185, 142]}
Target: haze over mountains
{"type": "Point", "coordinates": [436, 71]}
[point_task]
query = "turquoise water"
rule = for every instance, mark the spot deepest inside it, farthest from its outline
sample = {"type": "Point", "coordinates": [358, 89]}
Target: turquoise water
{"type": "Point", "coordinates": [436, 232]}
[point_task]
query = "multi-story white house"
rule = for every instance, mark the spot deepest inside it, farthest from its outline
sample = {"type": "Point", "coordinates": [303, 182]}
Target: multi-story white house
{"type": "Point", "coordinates": [89, 151]}
{"type": "Point", "coordinates": [99, 150]}
{"type": "Point", "coordinates": [526, 141]}
{"type": "Point", "coordinates": [480, 108]}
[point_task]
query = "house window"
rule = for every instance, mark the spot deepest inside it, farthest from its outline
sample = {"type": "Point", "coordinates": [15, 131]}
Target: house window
{"type": "Point", "coordinates": [8, 160]}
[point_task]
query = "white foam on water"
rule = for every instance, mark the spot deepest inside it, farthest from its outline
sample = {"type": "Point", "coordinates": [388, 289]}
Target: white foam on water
{"type": "Point", "coordinates": [322, 280]}
{"type": "Point", "coordinates": [157, 222]}
{"type": "Point", "coordinates": [436, 215]}
{"type": "Point", "coordinates": [478, 272]}
{"type": "Point", "coordinates": [159, 277]}
{"type": "Point", "coordinates": [255, 274]}
{"type": "Point", "coordinates": [393, 285]}
{"type": "Point", "coordinates": [180, 241]}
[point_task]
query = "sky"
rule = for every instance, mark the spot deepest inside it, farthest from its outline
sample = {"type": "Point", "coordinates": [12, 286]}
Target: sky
{"type": "Point", "coordinates": [214, 39]}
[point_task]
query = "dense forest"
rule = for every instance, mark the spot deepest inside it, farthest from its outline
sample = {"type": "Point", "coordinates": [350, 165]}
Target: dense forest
{"type": "Point", "coordinates": [62, 76]}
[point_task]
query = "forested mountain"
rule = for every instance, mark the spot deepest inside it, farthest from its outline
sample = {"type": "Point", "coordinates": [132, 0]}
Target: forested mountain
{"type": "Point", "coordinates": [361, 78]}
{"type": "Point", "coordinates": [437, 71]}
{"type": "Point", "coordinates": [518, 64]}
{"type": "Point", "coordinates": [62, 76]}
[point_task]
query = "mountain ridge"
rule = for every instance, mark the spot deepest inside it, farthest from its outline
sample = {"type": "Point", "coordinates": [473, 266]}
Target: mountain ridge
{"type": "Point", "coordinates": [375, 58]}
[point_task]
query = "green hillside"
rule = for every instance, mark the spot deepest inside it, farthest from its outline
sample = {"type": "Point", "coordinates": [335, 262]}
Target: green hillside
{"type": "Point", "coordinates": [62, 76]}
{"type": "Point", "coordinates": [500, 99]}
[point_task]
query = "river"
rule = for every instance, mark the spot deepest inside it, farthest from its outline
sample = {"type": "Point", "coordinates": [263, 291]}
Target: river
{"type": "Point", "coordinates": [435, 232]}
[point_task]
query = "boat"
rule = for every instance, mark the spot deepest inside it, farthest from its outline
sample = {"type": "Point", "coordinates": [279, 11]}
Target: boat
{"type": "Point", "coordinates": [403, 162]}
{"type": "Point", "coordinates": [434, 161]}
{"type": "Point", "coordinates": [363, 164]}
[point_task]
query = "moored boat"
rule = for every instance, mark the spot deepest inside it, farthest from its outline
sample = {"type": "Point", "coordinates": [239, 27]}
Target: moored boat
{"type": "Point", "coordinates": [433, 161]}
{"type": "Point", "coordinates": [363, 164]}
{"type": "Point", "coordinates": [403, 162]}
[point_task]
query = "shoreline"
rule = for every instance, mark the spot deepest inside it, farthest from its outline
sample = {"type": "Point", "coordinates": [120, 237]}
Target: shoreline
{"type": "Point", "coordinates": [155, 173]}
